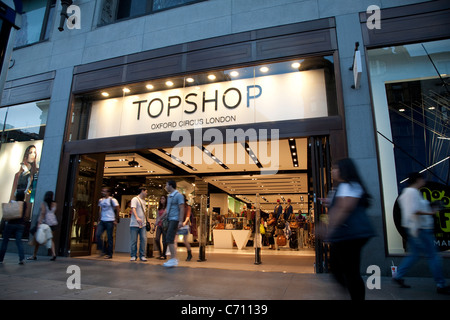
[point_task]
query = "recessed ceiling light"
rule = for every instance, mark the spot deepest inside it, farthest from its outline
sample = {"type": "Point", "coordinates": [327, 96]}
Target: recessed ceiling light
{"type": "Point", "coordinates": [264, 69]}
{"type": "Point", "coordinates": [126, 90]}
{"type": "Point", "coordinates": [295, 65]}
{"type": "Point", "coordinates": [149, 87]}
{"type": "Point", "coordinates": [234, 73]}
{"type": "Point", "coordinates": [105, 94]}
{"type": "Point", "coordinates": [212, 77]}
{"type": "Point", "coordinates": [190, 80]}
{"type": "Point", "coordinates": [169, 83]}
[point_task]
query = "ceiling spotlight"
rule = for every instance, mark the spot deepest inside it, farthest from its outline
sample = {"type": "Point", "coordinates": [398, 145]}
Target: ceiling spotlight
{"type": "Point", "coordinates": [105, 94]}
{"type": "Point", "coordinates": [190, 80]}
{"type": "Point", "coordinates": [126, 90]}
{"type": "Point", "coordinates": [169, 83]}
{"type": "Point", "coordinates": [295, 65]}
{"type": "Point", "coordinates": [264, 69]}
{"type": "Point", "coordinates": [234, 73]}
{"type": "Point", "coordinates": [212, 77]}
{"type": "Point", "coordinates": [149, 87]}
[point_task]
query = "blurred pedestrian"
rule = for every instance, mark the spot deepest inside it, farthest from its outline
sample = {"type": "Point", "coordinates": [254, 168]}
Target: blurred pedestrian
{"type": "Point", "coordinates": [47, 216]}
{"type": "Point", "coordinates": [184, 229]}
{"type": "Point", "coordinates": [108, 218]}
{"type": "Point", "coordinates": [161, 227]}
{"type": "Point", "coordinates": [175, 214]}
{"type": "Point", "coordinates": [14, 228]}
{"type": "Point", "coordinates": [138, 225]}
{"type": "Point", "coordinates": [349, 228]}
{"type": "Point", "coordinates": [417, 219]}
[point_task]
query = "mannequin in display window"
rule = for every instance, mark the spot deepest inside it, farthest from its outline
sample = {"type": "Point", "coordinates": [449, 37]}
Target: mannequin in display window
{"type": "Point", "coordinates": [288, 210]}
{"type": "Point", "coordinates": [278, 210]}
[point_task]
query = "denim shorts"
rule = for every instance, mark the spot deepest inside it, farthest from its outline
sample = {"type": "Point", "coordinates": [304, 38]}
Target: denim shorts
{"type": "Point", "coordinates": [171, 231]}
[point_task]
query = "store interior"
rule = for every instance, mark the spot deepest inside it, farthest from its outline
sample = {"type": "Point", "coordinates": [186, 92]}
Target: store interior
{"type": "Point", "coordinates": [234, 190]}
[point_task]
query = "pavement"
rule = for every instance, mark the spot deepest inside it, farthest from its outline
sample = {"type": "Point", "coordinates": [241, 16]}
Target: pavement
{"type": "Point", "coordinates": [211, 280]}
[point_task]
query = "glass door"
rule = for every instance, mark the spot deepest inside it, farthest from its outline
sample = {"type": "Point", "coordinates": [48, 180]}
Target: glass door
{"type": "Point", "coordinates": [83, 194]}
{"type": "Point", "coordinates": [321, 180]}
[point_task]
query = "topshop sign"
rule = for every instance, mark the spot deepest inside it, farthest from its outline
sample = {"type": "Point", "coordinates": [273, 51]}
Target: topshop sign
{"type": "Point", "coordinates": [288, 96]}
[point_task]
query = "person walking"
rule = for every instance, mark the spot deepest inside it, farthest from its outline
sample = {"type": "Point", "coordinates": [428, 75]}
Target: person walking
{"type": "Point", "coordinates": [349, 228]}
{"type": "Point", "coordinates": [161, 228]}
{"type": "Point", "coordinates": [15, 228]}
{"type": "Point", "coordinates": [138, 225]}
{"type": "Point", "coordinates": [48, 217]}
{"type": "Point", "coordinates": [108, 218]}
{"type": "Point", "coordinates": [417, 219]}
{"type": "Point", "coordinates": [184, 229]}
{"type": "Point", "coordinates": [175, 214]}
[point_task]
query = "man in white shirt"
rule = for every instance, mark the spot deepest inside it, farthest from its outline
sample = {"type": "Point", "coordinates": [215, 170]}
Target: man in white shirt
{"type": "Point", "coordinates": [108, 218]}
{"type": "Point", "coordinates": [417, 219]}
{"type": "Point", "coordinates": [138, 222]}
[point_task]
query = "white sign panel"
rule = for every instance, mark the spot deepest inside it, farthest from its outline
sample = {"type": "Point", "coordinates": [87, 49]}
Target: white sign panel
{"type": "Point", "coordinates": [297, 95]}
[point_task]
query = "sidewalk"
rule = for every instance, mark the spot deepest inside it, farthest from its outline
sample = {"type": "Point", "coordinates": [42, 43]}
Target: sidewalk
{"type": "Point", "coordinates": [118, 279]}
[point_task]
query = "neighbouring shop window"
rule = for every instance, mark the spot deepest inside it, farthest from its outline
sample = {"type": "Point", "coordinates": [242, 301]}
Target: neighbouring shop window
{"type": "Point", "coordinates": [114, 10]}
{"type": "Point", "coordinates": [22, 133]}
{"type": "Point", "coordinates": [411, 95]}
{"type": "Point", "coordinates": [282, 91]}
{"type": "Point", "coordinates": [37, 22]}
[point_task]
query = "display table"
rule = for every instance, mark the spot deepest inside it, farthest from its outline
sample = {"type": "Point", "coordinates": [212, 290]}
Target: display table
{"type": "Point", "coordinates": [123, 235]}
{"type": "Point", "coordinates": [224, 238]}
{"type": "Point", "coordinates": [123, 242]}
{"type": "Point", "coordinates": [241, 237]}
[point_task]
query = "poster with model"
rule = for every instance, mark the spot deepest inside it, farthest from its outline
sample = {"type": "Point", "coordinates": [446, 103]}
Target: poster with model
{"type": "Point", "coordinates": [19, 167]}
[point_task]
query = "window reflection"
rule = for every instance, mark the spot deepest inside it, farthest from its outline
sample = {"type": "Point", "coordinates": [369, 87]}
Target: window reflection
{"type": "Point", "coordinates": [25, 122]}
{"type": "Point", "coordinates": [37, 20]}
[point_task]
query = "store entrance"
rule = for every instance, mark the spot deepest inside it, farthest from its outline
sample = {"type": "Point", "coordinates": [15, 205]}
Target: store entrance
{"type": "Point", "coordinates": [231, 192]}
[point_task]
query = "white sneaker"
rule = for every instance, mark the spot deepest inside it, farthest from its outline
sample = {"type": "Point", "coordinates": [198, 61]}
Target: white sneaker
{"type": "Point", "coordinates": [143, 258]}
{"type": "Point", "coordinates": [171, 263]}
{"type": "Point", "coordinates": [133, 259]}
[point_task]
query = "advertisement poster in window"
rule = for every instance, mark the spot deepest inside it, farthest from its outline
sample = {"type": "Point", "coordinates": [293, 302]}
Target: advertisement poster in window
{"type": "Point", "coordinates": [20, 167]}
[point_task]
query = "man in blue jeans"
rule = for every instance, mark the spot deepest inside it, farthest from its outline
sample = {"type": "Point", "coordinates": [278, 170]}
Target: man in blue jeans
{"type": "Point", "coordinates": [109, 217]}
{"type": "Point", "coordinates": [15, 228]}
{"type": "Point", "coordinates": [175, 215]}
{"type": "Point", "coordinates": [417, 219]}
{"type": "Point", "coordinates": [138, 222]}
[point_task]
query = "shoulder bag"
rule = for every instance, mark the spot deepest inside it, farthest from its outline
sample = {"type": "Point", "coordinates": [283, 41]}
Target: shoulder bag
{"type": "Point", "coordinates": [12, 210]}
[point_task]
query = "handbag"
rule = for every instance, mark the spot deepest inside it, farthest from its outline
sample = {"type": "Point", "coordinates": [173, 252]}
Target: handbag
{"type": "Point", "coordinates": [183, 230]}
{"type": "Point", "coordinates": [262, 230]}
{"type": "Point", "coordinates": [293, 224]}
{"type": "Point", "coordinates": [12, 210]}
{"type": "Point", "coordinates": [281, 240]}
{"type": "Point", "coordinates": [147, 226]}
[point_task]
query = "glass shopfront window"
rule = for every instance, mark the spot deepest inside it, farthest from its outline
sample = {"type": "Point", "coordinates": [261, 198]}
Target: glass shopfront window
{"type": "Point", "coordinates": [114, 10]}
{"type": "Point", "coordinates": [411, 98]}
{"type": "Point", "coordinates": [22, 129]}
{"type": "Point", "coordinates": [297, 89]}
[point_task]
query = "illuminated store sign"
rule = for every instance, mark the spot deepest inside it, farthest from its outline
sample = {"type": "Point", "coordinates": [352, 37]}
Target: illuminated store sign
{"type": "Point", "coordinates": [296, 95]}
